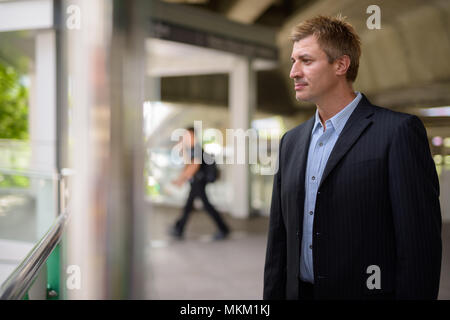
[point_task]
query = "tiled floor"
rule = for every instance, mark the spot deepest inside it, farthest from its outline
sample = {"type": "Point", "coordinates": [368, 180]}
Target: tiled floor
{"type": "Point", "coordinates": [199, 268]}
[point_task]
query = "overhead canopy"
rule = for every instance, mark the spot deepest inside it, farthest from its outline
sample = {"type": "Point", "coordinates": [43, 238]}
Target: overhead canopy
{"type": "Point", "coordinates": [206, 29]}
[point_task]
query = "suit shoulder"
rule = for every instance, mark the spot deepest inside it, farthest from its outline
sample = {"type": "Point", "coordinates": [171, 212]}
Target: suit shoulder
{"type": "Point", "coordinates": [394, 116]}
{"type": "Point", "coordinates": [389, 123]}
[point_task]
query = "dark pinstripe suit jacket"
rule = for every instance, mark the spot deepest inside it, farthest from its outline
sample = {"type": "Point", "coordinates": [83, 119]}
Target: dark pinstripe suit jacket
{"type": "Point", "coordinates": [377, 204]}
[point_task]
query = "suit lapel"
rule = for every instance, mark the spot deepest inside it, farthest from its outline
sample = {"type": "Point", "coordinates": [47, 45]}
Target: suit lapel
{"type": "Point", "coordinates": [356, 124]}
{"type": "Point", "coordinates": [301, 152]}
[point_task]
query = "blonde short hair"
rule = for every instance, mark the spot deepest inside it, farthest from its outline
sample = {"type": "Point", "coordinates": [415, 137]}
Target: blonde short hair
{"type": "Point", "coordinates": [335, 37]}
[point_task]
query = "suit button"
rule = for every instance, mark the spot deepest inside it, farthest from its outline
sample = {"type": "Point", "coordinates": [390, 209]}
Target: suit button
{"type": "Point", "coordinates": [298, 234]}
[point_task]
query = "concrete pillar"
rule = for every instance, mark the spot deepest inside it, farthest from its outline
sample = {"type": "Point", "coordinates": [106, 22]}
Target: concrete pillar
{"type": "Point", "coordinates": [106, 228]}
{"type": "Point", "coordinates": [88, 133]}
{"type": "Point", "coordinates": [242, 99]}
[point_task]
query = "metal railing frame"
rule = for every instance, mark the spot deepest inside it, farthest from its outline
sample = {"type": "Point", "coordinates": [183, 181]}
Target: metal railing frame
{"type": "Point", "coordinates": [18, 283]}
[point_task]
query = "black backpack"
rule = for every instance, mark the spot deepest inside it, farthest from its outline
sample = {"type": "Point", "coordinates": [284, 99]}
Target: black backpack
{"type": "Point", "coordinates": [211, 171]}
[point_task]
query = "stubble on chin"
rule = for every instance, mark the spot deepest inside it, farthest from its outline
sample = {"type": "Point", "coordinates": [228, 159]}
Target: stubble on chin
{"type": "Point", "coordinates": [300, 99]}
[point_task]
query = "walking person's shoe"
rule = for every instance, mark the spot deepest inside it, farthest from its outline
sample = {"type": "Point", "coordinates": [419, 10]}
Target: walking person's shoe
{"type": "Point", "coordinates": [176, 233]}
{"type": "Point", "coordinates": [220, 235]}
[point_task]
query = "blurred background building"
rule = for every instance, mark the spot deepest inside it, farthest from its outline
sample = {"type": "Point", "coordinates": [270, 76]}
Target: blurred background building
{"type": "Point", "coordinates": [91, 92]}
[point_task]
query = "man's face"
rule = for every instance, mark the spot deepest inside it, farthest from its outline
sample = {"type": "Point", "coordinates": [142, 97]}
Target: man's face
{"type": "Point", "coordinates": [313, 75]}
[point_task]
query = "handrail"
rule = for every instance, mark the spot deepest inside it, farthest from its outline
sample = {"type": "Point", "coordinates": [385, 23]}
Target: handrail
{"type": "Point", "coordinates": [30, 173]}
{"type": "Point", "coordinates": [17, 284]}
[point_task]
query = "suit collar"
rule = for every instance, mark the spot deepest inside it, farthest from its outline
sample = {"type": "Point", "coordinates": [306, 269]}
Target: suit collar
{"type": "Point", "coordinates": [339, 120]}
{"type": "Point", "coordinates": [363, 110]}
{"type": "Point", "coordinates": [359, 120]}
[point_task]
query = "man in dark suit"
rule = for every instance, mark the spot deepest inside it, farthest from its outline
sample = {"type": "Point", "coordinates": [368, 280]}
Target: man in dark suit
{"type": "Point", "coordinates": [355, 208]}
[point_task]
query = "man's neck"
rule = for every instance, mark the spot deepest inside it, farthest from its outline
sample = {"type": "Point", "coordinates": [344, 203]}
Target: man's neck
{"type": "Point", "coordinates": [333, 103]}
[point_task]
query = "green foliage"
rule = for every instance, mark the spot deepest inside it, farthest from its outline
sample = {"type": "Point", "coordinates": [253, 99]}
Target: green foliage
{"type": "Point", "coordinates": [13, 117]}
{"type": "Point", "coordinates": [14, 181]}
{"type": "Point", "coordinates": [13, 105]}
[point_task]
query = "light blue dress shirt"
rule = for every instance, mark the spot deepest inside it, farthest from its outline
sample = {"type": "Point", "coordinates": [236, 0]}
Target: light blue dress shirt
{"type": "Point", "coordinates": [320, 147]}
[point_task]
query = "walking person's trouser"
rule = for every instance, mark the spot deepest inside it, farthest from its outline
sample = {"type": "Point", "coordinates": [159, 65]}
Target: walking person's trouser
{"type": "Point", "coordinates": [198, 189]}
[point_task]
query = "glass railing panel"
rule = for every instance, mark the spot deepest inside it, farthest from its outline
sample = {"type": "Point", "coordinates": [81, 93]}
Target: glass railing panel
{"type": "Point", "coordinates": [27, 204]}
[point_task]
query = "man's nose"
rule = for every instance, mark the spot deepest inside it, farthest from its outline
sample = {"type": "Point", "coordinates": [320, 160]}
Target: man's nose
{"type": "Point", "coordinates": [296, 72]}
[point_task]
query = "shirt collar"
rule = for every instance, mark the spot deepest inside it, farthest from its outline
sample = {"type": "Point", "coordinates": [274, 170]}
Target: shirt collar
{"type": "Point", "coordinates": [339, 120]}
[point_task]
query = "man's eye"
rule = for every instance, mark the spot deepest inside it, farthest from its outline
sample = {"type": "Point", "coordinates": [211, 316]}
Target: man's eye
{"type": "Point", "coordinates": [306, 61]}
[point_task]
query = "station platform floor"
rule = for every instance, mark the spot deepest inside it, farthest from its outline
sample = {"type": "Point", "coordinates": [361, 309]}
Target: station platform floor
{"type": "Point", "coordinates": [199, 268]}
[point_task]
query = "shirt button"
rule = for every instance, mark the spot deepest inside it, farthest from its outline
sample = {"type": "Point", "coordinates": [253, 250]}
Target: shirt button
{"type": "Point", "coordinates": [310, 246]}
{"type": "Point", "coordinates": [311, 213]}
{"type": "Point", "coordinates": [321, 144]}
{"type": "Point", "coordinates": [313, 178]}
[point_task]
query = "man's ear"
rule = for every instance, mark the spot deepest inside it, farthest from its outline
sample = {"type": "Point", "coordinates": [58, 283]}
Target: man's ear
{"type": "Point", "coordinates": [342, 64]}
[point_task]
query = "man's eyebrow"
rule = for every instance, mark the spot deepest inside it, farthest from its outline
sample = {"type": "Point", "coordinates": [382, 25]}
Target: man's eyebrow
{"type": "Point", "coordinates": [303, 56]}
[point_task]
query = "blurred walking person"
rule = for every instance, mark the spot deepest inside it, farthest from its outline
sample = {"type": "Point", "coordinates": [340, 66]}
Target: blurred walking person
{"type": "Point", "coordinates": [196, 171]}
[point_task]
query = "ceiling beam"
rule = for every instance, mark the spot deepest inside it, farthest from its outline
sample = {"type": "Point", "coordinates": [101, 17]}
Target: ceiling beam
{"type": "Point", "coordinates": [188, 1]}
{"type": "Point", "coordinates": [248, 11]}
